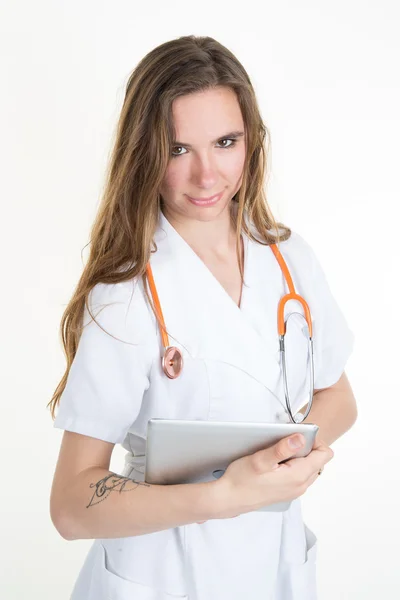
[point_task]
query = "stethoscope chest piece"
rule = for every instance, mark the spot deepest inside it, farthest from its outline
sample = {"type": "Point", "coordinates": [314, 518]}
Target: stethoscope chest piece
{"type": "Point", "coordinates": [172, 362]}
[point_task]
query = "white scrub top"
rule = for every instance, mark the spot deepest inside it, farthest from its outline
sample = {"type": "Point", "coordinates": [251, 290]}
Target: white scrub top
{"type": "Point", "coordinates": [231, 372]}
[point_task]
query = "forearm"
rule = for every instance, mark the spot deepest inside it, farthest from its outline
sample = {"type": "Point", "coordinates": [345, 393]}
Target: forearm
{"type": "Point", "coordinates": [334, 410]}
{"type": "Point", "coordinates": [101, 504]}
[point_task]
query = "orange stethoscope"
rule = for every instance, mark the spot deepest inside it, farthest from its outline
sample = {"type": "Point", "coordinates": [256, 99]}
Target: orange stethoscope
{"type": "Point", "coordinates": [172, 359]}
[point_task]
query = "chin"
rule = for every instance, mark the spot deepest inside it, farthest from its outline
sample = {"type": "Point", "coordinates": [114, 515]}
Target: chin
{"type": "Point", "coordinates": [208, 214]}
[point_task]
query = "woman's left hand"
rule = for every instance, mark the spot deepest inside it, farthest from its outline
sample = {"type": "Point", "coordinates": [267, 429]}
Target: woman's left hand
{"type": "Point", "coordinates": [317, 441]}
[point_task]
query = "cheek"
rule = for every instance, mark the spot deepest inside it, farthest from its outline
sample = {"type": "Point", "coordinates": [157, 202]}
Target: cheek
{"type": "Point", "coordinates": [236, 165]}
{"type": "Point", "coordinates": [235, 174]}
{"type": "Point", "coordinates": [171, 179]}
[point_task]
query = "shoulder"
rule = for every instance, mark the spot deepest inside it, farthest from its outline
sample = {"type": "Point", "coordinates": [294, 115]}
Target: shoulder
{"type": "Point", "coordinates": [121, 309]}
{"type": "Point", "coordinates": [295, 250]}
{"type": "Point", "coordinates": [296, 245]}
{"type": "Point", "coordinates": [298, 253]}
{"type": "Point", "coordinates": [106, 294]}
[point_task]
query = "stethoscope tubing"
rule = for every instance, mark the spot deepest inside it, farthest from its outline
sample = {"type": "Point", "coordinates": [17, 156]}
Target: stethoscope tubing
{"type": "Point", "coordinates": [172, 358]}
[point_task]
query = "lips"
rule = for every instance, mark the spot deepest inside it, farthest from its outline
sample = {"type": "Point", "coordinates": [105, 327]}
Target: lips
{"type": "Point", "coordinates": [211, 200]}
{"type": "Point", "coordinates": [204, 199]}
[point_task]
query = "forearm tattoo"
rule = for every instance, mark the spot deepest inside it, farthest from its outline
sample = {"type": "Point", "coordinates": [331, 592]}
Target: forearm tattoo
{"type": "Point", "coordinates": [112, 483]}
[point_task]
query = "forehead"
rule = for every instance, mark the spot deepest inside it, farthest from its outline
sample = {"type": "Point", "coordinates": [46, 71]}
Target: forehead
{"type": "Point", "coordinates": [206, 114]}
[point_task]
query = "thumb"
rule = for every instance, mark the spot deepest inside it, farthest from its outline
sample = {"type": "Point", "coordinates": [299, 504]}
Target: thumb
{"type": "Point", "coordinates": [282, 450]}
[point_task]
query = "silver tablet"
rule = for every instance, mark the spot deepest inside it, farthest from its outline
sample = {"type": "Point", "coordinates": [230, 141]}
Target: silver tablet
{"type": "Point", "coordinates": [180, 451]}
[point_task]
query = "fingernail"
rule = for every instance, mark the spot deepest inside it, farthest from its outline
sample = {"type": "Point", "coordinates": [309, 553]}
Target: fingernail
{"type": "Point", "coordinates": [296, 442]}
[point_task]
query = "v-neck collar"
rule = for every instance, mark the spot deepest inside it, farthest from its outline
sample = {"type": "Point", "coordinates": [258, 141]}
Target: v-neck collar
{"type": "Point", "coordinates": [170, 229]}
{"type": "Point", "coordinates": [202, 318]}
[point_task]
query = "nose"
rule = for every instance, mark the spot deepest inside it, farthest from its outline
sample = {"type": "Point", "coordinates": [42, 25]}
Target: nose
{"type": "Point", "coordinates": [204, 173]}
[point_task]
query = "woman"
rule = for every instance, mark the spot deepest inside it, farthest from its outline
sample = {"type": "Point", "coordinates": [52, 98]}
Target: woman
{"type": "Point", "coordinates": [185, 196]}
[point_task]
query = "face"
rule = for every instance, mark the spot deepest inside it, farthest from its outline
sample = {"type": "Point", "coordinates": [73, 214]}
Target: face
{"type": "Point", "coordinates": [207, 157]}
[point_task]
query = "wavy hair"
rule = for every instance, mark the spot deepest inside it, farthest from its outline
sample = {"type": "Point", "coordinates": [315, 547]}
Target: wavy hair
{"type": "Point", "coordinates": [121, 238]}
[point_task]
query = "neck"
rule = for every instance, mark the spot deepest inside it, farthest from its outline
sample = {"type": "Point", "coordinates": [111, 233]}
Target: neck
{"type": "Point", "coordinates": [206, 238]}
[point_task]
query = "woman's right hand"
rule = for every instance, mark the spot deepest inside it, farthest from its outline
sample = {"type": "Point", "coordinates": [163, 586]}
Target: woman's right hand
{"type": "Point", "coordinates": [259, 479]}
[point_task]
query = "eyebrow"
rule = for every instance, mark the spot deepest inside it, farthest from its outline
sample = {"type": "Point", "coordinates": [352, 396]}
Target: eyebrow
{"type": "Point", "coordinates": [232, 134]}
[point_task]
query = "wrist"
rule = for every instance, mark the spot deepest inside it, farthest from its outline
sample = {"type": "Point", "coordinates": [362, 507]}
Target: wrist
{"type": "Point", "coordinates": [213, 501]}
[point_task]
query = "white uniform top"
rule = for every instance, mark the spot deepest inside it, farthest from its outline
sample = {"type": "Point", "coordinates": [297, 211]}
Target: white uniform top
{"type": "Point", "coordinates": [231, 372]}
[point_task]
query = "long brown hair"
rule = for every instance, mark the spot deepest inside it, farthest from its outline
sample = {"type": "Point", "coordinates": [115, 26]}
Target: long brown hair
{"type": "Point", "coordinates": [121, 238]}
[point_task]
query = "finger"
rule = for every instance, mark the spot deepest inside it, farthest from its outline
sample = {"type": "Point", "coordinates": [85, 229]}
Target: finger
{"type": "Point", "coordinates": [312, 479]}
{"type": "Point", "coordinates": [316, 475]}
{"type": "Point", "coordinates": [319, 443]}
{"type": "Point", "coordinates": [312, 463]}
{"type": "Point", "coordinates": [270, 458]}
{"type": "Point", "coordinates": [318, 439]}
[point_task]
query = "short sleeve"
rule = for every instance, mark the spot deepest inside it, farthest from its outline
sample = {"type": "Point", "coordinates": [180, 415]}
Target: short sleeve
{"type": "Point", "coordinates": [108, 376]}
{"type": "Point", "coordinates": [333, 339]}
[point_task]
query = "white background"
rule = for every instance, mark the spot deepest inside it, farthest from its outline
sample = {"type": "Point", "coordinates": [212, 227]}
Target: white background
{"type": "Point", "coordinates": [327, 78]}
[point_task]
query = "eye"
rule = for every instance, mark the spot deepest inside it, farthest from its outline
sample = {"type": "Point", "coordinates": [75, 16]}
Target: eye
{"type": "Point", "coordinates": [175, 155]}
{"type": "Point", "coordinates": [231, 145]}
{"type": "Point", "coordinates": [229, 140]}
